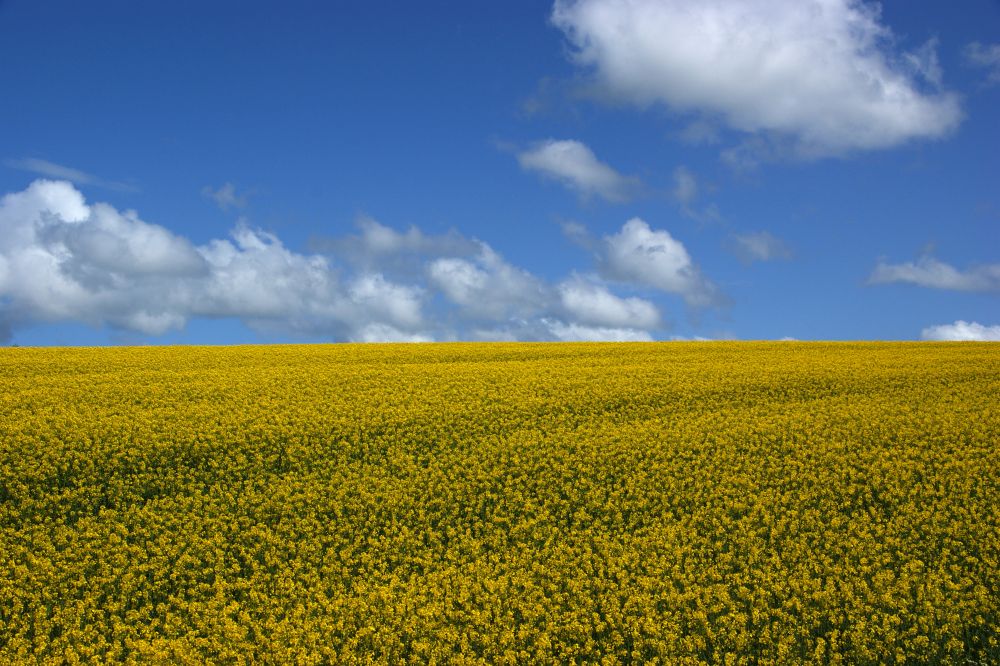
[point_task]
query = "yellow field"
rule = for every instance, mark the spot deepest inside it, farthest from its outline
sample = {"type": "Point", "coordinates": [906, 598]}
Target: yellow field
{"type": "Point", "coordinates": [744, 503]}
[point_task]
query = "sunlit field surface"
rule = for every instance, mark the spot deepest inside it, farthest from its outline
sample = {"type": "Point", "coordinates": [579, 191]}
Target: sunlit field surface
{"type": "Point", "coordinates": [737, 503]}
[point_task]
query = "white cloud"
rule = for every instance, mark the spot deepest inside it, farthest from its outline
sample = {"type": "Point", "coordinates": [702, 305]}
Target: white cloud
{"type": "Point", "coordinates": [382, 248]}
{"type": "Point", "coordinates": [58, 171]}
{"type": "Point", "coordinates": [386, 333]}
{"type": "Point", "coordinates": [962, 330]}
{"type": "Point", "coordinates": [574, 165]}
{"type": "Point", "coordinates": [639, 255]}
{"type": "Point", "coordinates": [592, 304]}
{"type": "Point", "coordinates": [820, 73]}
{"type": "Point", "coordinates": [986, 56]}
{"type": "Point", "coordinates": [378, 239]}
{"type": "Point", "coordinates": [759, 246]}
{"type": "Point", "coordinates": [63, 259]}
{"type": "Point", "coordinates": [929, 272]}
{"type": "Point", "coordinates": [255, 277]}
{"type": "Point", "coordinates": [113, 242]}
{"type": "Point", "coordinates": [487, 287]}
{"type": "Point", "coordinates": [67, 260]}
{"type": "Point", "coordinates": [394, 303]}
{"type": "Point", "coordinates": [580, 333]}
{"type": "Point", "coordinates": [225, 197]}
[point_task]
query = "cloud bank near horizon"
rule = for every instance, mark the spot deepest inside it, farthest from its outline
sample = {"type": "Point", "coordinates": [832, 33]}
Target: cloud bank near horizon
{"type": "Point", "coordinates": [63, 259]}
{"type": "Point", "coordinates": [962, 331]}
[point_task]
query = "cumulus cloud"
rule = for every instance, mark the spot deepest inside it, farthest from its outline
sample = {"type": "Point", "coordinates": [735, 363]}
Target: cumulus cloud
{"type": "Point", "coordinates": [397, 304]}
{"type": "Point", "coordinates": [642, 256]}
{"type": "Point", "coordinates": [58, 171]}
{"type": "Point", "coordinates": [574, 165]}
{"type": "Point", "coordinates": [593, 304]}
{"type": "Point", "coordinates": [986, 56]}
{"type": "Point", "coordinates": [256, 278]}
{"type": "Point", "coordinates": [930, 272]}
{"type": "Point", "coordinates": [820, 74]}
{"type": "Point", "coordinates": [225, 197]}
{"type": "Point", "coordinates": [64, 259]}
{"type": "Point", "coordinates": [961, 331]}
{"type": "Point", "coordinates": [759, 246]}
{"type": "Point", "coordinates": [487, 287]}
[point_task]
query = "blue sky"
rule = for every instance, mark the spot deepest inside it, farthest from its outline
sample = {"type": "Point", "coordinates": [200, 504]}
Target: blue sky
{"type": "Point", "coordinates": [234, 172]}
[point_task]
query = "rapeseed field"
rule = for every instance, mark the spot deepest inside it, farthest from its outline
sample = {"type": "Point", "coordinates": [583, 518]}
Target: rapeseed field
{"type": "Point", "coordinates": [673, 503]}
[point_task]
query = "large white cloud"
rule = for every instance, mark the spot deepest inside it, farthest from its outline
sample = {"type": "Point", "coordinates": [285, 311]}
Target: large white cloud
{"type": "Point", "coordinates": [930, 272]}
{"type": "Point", "coordinates": [961, 331]}
{"type": "Point", "coordinates": [820, 74]}
{"type": "Point", "coordinates": [67, 260]}
{"type": "Point", "coordinates": [574, 164]}
{"type": "Point", "coordinates": [643, 256]}
{"type": "Point", "coordinates": [64, 260]}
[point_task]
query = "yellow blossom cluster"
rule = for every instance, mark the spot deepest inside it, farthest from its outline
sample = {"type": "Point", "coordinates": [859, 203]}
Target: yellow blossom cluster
{"type": "Point", "coordinates": [673, 503]}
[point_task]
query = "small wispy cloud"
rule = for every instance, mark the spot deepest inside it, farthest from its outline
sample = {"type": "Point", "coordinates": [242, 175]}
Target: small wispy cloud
{"type": "Point", "coordinates": [986, 56]}
{"type": "Point", "coordinates": [574, 165]}
{"type": "Point", "coordinates": [685, 186]}
{"type": "Point", "coordinates": [53, 170]}
{"type": "Point", "coordinates": [700, 132]}
{"type": "Point", "coordinates": [686, 191]}
{"type": "Point", "coordinates": [759, 246]}
{"type": "Point", "coordinates": [930, 272]}
{"type": "Point", "coordinates": [225, 197]}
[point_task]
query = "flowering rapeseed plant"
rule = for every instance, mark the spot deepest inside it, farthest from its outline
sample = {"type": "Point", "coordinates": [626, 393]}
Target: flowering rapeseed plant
{"type": "Point", "coordinates": [675, 503]}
